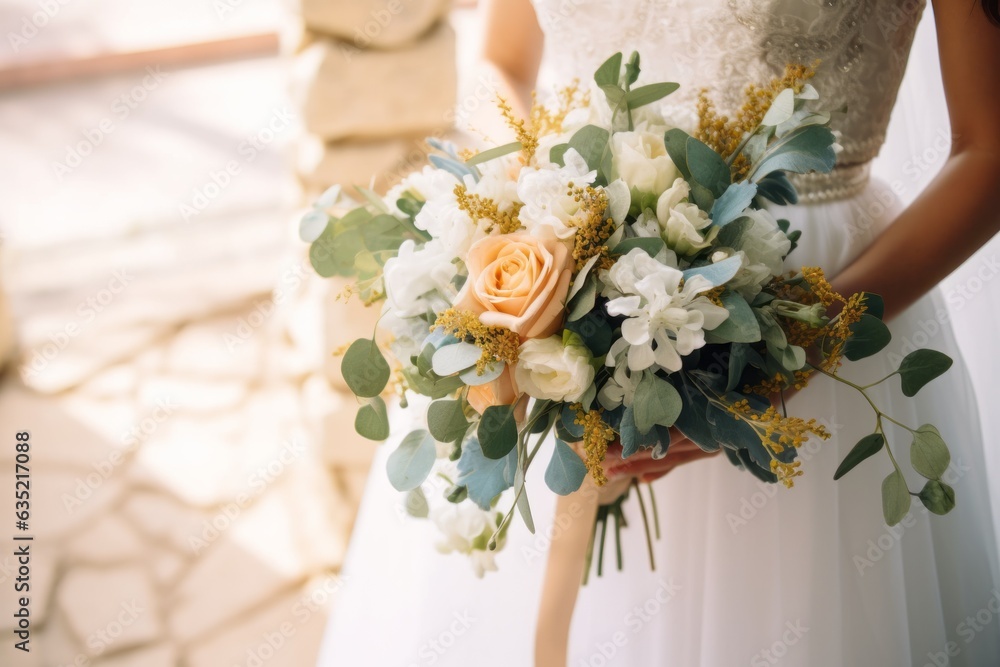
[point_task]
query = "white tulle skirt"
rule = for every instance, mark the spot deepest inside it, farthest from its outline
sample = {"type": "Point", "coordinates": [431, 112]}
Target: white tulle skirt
{"type": "Point", "coordinates": [747, 573]}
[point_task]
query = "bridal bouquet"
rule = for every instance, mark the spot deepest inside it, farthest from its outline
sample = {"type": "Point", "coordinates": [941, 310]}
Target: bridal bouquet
{"type": "Point", "coordinates": [604, 278]}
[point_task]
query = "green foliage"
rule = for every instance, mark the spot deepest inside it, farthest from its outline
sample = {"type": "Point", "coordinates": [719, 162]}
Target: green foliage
{"type": "Point", "coordinates": [805, 149]}
{"type": "Point", "coordinates": [493, 153]}
{"type": "Point", "coordinates": [446, 420]}
{"type": "Point", "coordinates": [416, 504]}
{"type": "Point", "coordinates": [869, 336]}
{"type": "Point", "coordinates": [652, 245]}
{"type": "Point", "coordinates": [895, 498]}
{"type": "Point", "coordinates": [929, 453]}
{"type": "Point", "coordinates": [410, 464]}
{"type": "Point", "coordinates": [484, 478]}
{"type": "Point", "coordinates": [497, 431]}
{"type": "Point", "coordinates": [372, 420]}
{"type": "Point", "coordinates": [920, 367]}
{"type": "Point", "coordinates": [648, 94]}
{"type": "Point", "coordinates": [365, 370]}
{"type": "Point", "coordinates": [583, 302]}
{"type": "Point", "coordinates": [717, 274]}
{"type": "Point", "coordinates": [731, 204]}
{"type": "Point", "coordinates": [656, 402]}
{"type": "Point", "coordinates": [938, 497]}
{"type": "Point", "coordinates": [455, 358]}
{"type": "Point", "coordinates": [866, 447]}
{"type": "Point", "coordinates": [565, 472]}
{"type": "Point", "coordinates": [741, 326]}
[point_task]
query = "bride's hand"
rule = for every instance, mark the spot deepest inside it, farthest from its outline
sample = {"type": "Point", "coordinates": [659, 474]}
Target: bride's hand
{"type": "Point", "coordinates": [644, 467]}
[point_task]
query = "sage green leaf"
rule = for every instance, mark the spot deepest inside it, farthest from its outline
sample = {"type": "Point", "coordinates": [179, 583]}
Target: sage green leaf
{"type": "Point", "coordinates": [895, 498]}
{"type": "Point", "coordinates": [557, 154]}
{"type": "Point", "coordinates": [446, 420]}
{"type": "Point", "coordinates": [631, 439]}
{"type": "Point", "coordinates": [781, 109]}
{"type": "Point", "coordinates": [938, 497]}
{"type": "Point", "coordinates": [609, 71]}
{"type": "Point", "coordinates": [412, 461]}
{"type": "Point", "coordinates": [591, 142]}
{"type": "Point", "coordinates": [800, 151]}
{"type": "Point", "coordinates": [483, 478]}
{"type": "Point", "coordinates": [644, 95]}
{"type": "Point", "coordinates": [497, 431]}
{"type": "Point", "coordinates": [874, 305]}
{"type": "Point", "coordinates": [455, 358]}
{"type": "Point", "coordinates": [929, 454]}
{"type": "Point", "coordinates": [565, 471]}
{"type": "Point", "coordinates": [676, 142]}
{"type": "Point", "coordinates": [707, 167]}
{"type": "Point", "coordinates": [584, 300]}
{"type": "Point", "coordinates": [372, 420]}
{"type": "Point", "coordinates": [866, 447]}
{"type": "Point", "coordinates": [732, 203]}
{"type": "Point", "coordinates": [869, 336]}
{"type": "Point", "coordinates": [312, 225]}
{"type": "Point", "coordinates": [920, 367]}
{"type": "Point", "coordinates": [651, 244]}
{"type": "Point", "coordinates": [493, 153]}
{"type": "Point", "coordinates": [473, 378]}
{"type": "Point", "coordinates": [365, 370]}
{"type": "Point", "coordinates": [656, 402]}
{"type": "Point", "coordinates": [416, 503]}
{"type": "Point", "coordinates": [523, 508]}
{"type": "Point", "coordinates": [718, 273]}
{"type": "Point", "coordinates": [741, 326]}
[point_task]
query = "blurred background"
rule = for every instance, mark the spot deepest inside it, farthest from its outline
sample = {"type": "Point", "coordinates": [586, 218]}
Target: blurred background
{"type": "Point", "coordinates": [194, 471]}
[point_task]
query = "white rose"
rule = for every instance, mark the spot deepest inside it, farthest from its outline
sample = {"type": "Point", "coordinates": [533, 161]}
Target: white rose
{"type": "Point", "coordinates": [427, 184]}
{"type": "Point", "coordinates": [640, 158]}
{"type": "Point", "coordinates": [681, 222]}
{"type": "Point", "coordinates": [419, 279]}
{"type": "Point", "coordinates": [549, 368]}
{"type": "Point", "coordinates": [763, 247]}
{"type": "Point", "coordinates": [549, 207]}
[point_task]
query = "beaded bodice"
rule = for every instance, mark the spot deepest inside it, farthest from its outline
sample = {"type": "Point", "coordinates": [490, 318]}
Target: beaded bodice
{"type": "Point", "coordinates": [722, 45]}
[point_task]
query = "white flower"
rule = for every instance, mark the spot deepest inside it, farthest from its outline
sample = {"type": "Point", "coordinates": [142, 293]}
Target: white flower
{"type": "Point", "coordinates": [681, 222]}
{"type": "Point", "coordinates": [466, 529]}
{"type": "Point", "coordinates": [427, 184]}
{"type": "Point", "coordinates": [640, 158]}
{"type": "Point", "coordinates": [419, 279]}
{"type": "Point", "coordinates": [664, 320]}
{"type": "Point", "coordinates": [620, 387]}
{"type": "Point", "coordinates": [554, 369]}
{"type": "Point", "coordinates": [763, 247]}
{"type": "Point", "coordinates": [548, 205]}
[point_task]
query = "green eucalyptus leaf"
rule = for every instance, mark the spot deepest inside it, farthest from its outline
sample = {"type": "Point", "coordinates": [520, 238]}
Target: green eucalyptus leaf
{"type": "Point", "coordinates": [920, 367]}
{"type": "Point", "coordinates": [497, 431]}
{"type": "Point", "coordinates": [895, 498]}
{"type": "Point", "coordinates": [929, 454]}
{"type": "Point", "coordinates": [591, 142]}
{"type": "Point", "coordinates": [866, 447]}
{"type": "Point", "coordinates": [416, 504]}
{"type": "Point", "coordinates": [741, 326]}
{"type": "Point", "coordinates": [656, 402]}
{"type": "Point", "coordinates": [869, 336]}
{"type": "Point", "coordinates": [653, 92]}
{"type": "Point", "coordinates": [372, 420]}
{"type": "Point", "coordinates": [733, 203]}
{"type": "Point", "coordinates": [584, 301]}
{"type": "Point", "coordinates": [493, 153]}
{"type": "Point", "coordinates": [609, 71]}
{"type": "Point", "coordinates": [675, 141]}
{"type": "Point", "coordinates": [806, 149]}
{"type": "Point", "coordinates": [938, 497]}
{"type": "Point", "coordinates": [484, 478]}
{"type": "Point", "coordinates": [451, 359]}
{"type": "Point", "coordinates": [473, 378]}
{"type": "Point", "coordinates": [652, 245]}
{"type": "Point", "coordinates": [365, 370]}
{"type": "Point", "coordinates": [566, 471]}
{"type": "Point", "coordinates": [446, 420]}
{"type": "Point", "coordinates": [707, 167]}
{"type": "Point", "coordinates": [412, 461]}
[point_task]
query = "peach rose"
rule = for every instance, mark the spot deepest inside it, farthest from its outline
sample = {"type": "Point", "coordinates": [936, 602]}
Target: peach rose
{"type": "Point", "coordinates": [502, 391]}
{"type": "Point", "coordinates": [519, 282]}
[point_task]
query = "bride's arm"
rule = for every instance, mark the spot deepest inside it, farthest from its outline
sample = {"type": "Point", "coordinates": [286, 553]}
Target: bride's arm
{"type": "Point", "coordinates": [513, 47]}
{"type": "Point", "coordinates": [960, 210]}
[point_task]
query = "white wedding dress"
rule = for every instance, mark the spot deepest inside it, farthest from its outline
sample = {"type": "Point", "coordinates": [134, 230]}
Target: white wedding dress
{"type": "Point", "coordinates": [747, 574]}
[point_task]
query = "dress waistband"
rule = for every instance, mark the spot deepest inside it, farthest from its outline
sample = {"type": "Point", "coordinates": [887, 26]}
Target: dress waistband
{"type": "Point", "coordinates": [843, 182]}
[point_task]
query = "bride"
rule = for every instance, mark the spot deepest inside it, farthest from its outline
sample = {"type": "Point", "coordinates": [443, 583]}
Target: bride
{"type": "Point", "coordinates": [746, 574]}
